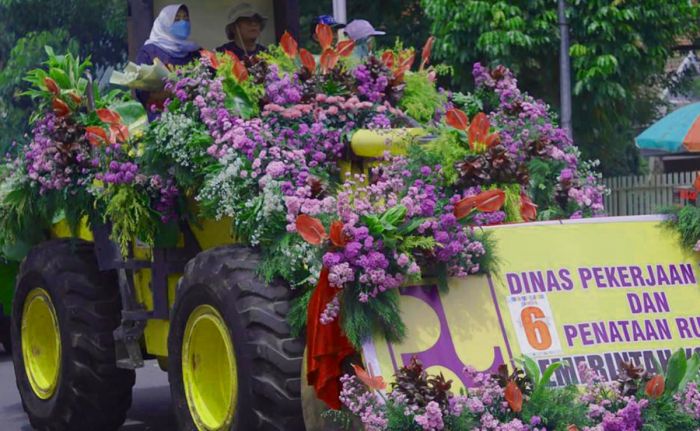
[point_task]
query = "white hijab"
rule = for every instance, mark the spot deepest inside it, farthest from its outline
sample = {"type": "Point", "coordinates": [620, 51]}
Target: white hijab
{"type": "Point", "coordinates": [162, 38]}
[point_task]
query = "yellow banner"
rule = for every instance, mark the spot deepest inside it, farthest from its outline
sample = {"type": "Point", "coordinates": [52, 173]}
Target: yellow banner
{"type": "Point", "coordinates": [598, 291]}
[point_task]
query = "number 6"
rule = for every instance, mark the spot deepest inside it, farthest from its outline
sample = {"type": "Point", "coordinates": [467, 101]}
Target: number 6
{"type": "Point", "coordinates": [536, 329]}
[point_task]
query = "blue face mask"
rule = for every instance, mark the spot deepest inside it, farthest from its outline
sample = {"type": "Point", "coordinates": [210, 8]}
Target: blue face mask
{"type": "Point", "coordinates": [180, 29]}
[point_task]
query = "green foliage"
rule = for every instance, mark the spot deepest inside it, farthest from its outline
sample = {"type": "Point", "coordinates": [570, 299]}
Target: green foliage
{"type": "Point", "coordinates": [618, 52]}
{"type": "Point", "coordinates": [686, 221]}
{"type": "Point", "coordinates": [131, 216]}
{"type": "Point", "coordinates": [556, 406]}
{"type": "Point", "coordinates": [275, 55]}
{"type": "Point", "coordinates": [84, 27]}
{"type": "Point", "coordinates": [448, 150]}
{"type": "Point", "coordinates": [663, 414]}
{"type": "Point", "coordinates": [298, 312]}
{"type": "Point", "coordinates": [512, 204]}
{"type": "Point", "coordinates": [359, 320]}
{"type": "Point", "coordinates": [420, 97]}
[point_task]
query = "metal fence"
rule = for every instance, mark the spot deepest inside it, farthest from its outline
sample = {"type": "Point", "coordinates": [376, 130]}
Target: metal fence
{"type": "Point", "coordinates": [643, 194]}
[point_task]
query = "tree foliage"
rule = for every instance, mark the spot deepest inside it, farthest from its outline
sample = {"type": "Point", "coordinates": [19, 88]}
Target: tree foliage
{"type": "Point", "coordinates": [82, 27]}
{"type": "Point", "coordinates": [618, 52]}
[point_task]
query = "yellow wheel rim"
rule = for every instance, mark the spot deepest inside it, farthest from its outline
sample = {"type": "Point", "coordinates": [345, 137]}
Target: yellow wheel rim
{"type": "Point", "coordinates": [209, 370]}
{"type": "Point", "coordinates": [41, 343]}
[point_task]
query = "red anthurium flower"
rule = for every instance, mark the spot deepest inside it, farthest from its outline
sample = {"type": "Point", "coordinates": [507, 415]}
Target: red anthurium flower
{"type": "Point", "coordinates": [492, 139]}
{"type": "Point", "coordinates": [118, 133]}
{"type": "Point", "coordinates": [329, 59]}
{"type": "Point", "coordinates": [311, 229]}
{"type": "Point", "coordinates": [488, 201]}
{"type": "Point", "coordinates": [388, 58]}
{"type": "Point", "coordinates": [337, 235]}
{"type": "Point", "coordinates": [345, 47]}
{"type": "Point", "coordinates": [307, 60]}
{"type": "Point", "coordinates": [427, 49]}
{"type": "Point", "coordinates": [572, 427]}
{"type": "Point", "coordinates": [457, 119]}
{"type": "Point", "coordinates": [75, 97]}
{"type": "Point", "coordinates": [108, 116]}
{"type": "Point", "coordinates": [211, 56]}
{"type": "Point", "coordinates": [96, 135]}
{"type": "Point", "coordinates": [289, 45]}
{"type": "Point", "coordinates": [239, 70]}
{"type": "Point", "coordinates": [406, 60]}
{"type": "Point", "coordinates": [514, 397]}
{"type": "Point", "coordinates": [655, 387]}
{"type": "Point", "coordinates": [478, 130]}
{"type": "Point", "coordinates": [60, 107]}
{"type": "Point", "coordinates": [324, 33]}
{"type": "Point", "coordinates": [528, 210]}
{"type": "Point", "coordinates": [52, 86]}
{"type": "Point", "coordinates": [696, 184]}
{"type": "Point", "coordinates": [231, 54]}
{"type": "Point", "coordinates": [375, 383]}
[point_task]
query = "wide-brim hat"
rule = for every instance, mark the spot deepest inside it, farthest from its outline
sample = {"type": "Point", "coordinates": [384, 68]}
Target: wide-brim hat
{"type": "Point", "coordinates": [245, 10]}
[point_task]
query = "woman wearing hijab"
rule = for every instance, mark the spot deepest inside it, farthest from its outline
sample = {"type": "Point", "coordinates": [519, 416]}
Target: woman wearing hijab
{"type": "Point", "coordinates": [169, 42]}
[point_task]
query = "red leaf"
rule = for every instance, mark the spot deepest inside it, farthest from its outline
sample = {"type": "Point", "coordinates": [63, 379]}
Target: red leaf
{"type": "Point", "coordinates": [528, 210]}
{"type": "Point", "coordinates": [427, 49]}
{"type": "Point", "coordinates": [211, 56]}
{"type": "Point", "coordinates": [311, 229]}
{"type": "Point", "coordinates": [96, 135]}
{"type": "Point", "coordinates": [345, 47]}
{"type": "Point", "coordinates": [406, 60]}
{"type": "Point", "coordinates": [231, 54]}
{"type": "Point", "coordinates": [118, 133]}
{"type": "Point", "coordinates": [239, 71]}
{"type": "Point", "coordinates": [307, 60]}
{"type": "Point", "coordinates": [457, 119]}
{"type": "Point", "coordinates": [478, 130]}
{"type": "Point", "coordinates": [337, 235]}
{"type": "Point", "coordinates": [655, 387]}
{"type": "Point", "coordinates": [389, 58]}
{"type": "Point", "coordinates": [329, 59]}
{"type": "Point", "coordinates": [75, 97]}
{"type": "Point", "coordinates": [493, 139]}
{"type": "Point", "coordinates": [488, 201]}
{"type": "Point", "coordinates": [60, 107]}
{"type": "Point", "coordinates": [52, 86]}
{"type": "Point", "coordinates": [289, 45]}
{"type": "Point", "coordinates": [514, 397]}
{"type": "Point", "coordinates": [324, 33]}
{"type": "Point", "coordinates": [375, 383]}
{"type": "Point", "coordinates": [108, 116]}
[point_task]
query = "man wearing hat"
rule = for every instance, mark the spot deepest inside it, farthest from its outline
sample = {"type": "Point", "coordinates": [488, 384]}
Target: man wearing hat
{"type": "Point", "coordinates": [362, 33]}
{"type": "Point", "coordinates": [243, 31]}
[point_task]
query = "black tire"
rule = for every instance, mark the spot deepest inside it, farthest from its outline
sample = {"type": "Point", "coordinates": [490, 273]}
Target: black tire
{"type": "Point", "coordinates": [268, 358]}
{"type": "Point", "coordinates": [92, 393]}
{"type": "Point", "coordinates": [5, 334]}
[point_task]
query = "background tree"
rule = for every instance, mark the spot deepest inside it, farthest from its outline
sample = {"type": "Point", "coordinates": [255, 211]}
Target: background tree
{"type": "Point", "coordinates": [83, 27]}
{"type": "Point", "coordinates": [619, 49]}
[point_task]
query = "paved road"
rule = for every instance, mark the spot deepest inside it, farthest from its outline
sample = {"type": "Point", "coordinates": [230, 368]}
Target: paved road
{"type": "Point", "coordinates": [150, 409]}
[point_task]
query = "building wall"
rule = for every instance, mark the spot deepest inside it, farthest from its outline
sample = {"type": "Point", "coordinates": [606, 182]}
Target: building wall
{"type": "Point", "coordinates": [209, 19]}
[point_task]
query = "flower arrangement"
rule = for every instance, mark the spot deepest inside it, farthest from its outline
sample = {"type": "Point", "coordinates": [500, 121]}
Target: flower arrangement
{"type": "Point", "coordinates": [524, 401]}
{"type": "Point", "coordinates": [265, 142]}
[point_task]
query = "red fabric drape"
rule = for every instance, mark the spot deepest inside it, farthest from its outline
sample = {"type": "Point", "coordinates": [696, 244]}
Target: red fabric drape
{"type": "Point", "coordinates": [326, 345]}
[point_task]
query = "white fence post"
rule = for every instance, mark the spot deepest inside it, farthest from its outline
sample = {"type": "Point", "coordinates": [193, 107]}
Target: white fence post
{"type": "Point", "coordinates": [646, 194]}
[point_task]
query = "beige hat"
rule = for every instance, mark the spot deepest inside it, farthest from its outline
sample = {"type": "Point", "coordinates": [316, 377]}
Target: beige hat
{"type": "Point", "coordinates": [245, 10]}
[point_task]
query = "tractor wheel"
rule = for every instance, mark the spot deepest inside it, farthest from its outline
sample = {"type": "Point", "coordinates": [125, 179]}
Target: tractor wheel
{"type": "Point", "coordinates": [5, 334]}
{"type": "Point", "coordinates": [63, 316]}
{"type": "Point", "coordinates": [233, 364]}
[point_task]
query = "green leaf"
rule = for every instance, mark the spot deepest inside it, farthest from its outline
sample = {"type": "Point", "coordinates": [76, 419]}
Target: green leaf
{"type": "Point", "coordinates": [373, 223]}
{"type": "Point", "coordinates": [394, 215]}
{"type": "Point", "coordinates": [548, 373]}
{"type": "Point", "coordinates": [531, 368]}
{"type": "Point", "coordinates": [133, 114]}
{"type": "Point", "coordinates": [691, 372]}
{"type": "Point", "coordinates": [675, 372]}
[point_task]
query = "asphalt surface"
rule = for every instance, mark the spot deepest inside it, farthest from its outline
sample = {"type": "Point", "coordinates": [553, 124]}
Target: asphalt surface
{"type": "Point", "coordinates": [150, 409]}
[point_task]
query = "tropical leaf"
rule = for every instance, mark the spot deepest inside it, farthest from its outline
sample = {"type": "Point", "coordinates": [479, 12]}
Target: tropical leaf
{"type": "Point", "coordinates": [456, 118]}
{"type": "Point", "coordinates": [345, 47]}
{"type": "Point", "coordinates": [311, 229]}
{"type": "Point", "coordinates": [324, 33]}
{"type": "Point", "coordinates": [307, 60]}
{"type": "Point", "coordinates": [289, 45]}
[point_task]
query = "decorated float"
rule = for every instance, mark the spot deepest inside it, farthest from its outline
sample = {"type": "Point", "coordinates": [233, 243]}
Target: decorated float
{"type": "Point", "coordinates": [275, 231]}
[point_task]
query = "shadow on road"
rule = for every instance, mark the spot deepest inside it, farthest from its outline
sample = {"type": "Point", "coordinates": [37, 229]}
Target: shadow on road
{"type": "Point", "coordinates": [150, 409]}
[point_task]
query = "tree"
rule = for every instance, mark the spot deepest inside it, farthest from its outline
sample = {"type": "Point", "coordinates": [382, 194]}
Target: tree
{"type": "Point", "coordinates": [619, 49]}
{"type": "Point", "coordinates": [83, 27]}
